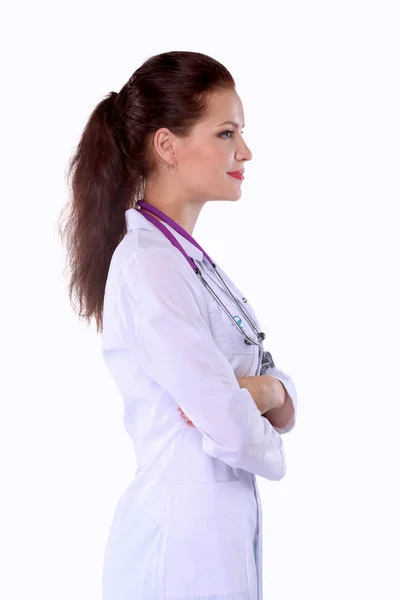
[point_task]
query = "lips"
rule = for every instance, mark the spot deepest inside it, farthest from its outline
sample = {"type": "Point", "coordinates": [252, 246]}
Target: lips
{"type": "Point", "coordinates": [236, 174]}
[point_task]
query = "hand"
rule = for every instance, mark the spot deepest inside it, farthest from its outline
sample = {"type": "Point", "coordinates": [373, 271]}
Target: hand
{"type": "Point", "coordinates": [267, 391]}
{"type": "Point", "coordinates": [188, 422]}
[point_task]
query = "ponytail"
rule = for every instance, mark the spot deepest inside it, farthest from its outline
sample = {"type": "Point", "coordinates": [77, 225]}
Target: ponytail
{"type": "Point", "coordinates": [100, 181]}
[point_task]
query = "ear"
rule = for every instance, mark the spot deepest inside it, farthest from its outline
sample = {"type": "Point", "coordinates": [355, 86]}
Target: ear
{"type": "Point", "coordinates": [164, 146]}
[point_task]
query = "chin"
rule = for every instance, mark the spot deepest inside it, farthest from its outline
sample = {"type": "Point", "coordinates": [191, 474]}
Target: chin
{"type": "Point", "coordinates": [228, 195]}
{"type": "Point", "coordinates": [234, 194]}
{"type": "Point", "coordinates": [234, 197]}
{"type": "Point", "coordinates": [237, 195]}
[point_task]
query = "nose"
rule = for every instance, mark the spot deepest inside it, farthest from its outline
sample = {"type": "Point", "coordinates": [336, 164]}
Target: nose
{"type": "Point", "coordinates": [243, 152]}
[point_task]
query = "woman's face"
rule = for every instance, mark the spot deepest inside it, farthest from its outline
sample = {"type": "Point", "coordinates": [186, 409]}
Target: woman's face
{"type": "Point", "coordinates": [212, 150]}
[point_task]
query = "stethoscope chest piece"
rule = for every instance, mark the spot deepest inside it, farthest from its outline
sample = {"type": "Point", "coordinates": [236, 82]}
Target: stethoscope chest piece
{"type": "Point", "coordinates": [266, 362]}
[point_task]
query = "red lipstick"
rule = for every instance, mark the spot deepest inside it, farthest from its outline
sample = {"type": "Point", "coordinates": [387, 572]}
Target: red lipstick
{"type": "Point", "coordinates": [236, 174]}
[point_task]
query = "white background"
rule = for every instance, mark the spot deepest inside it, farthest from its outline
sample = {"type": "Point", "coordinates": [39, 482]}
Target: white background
{"type": "Point", "coordinates": [313, 242]}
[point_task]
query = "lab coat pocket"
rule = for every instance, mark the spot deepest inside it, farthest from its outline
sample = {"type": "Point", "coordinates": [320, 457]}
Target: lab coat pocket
{"type": "Point", "coordinates": [230, 340]}
{"type": "Point", "coordinates": [206, 549]}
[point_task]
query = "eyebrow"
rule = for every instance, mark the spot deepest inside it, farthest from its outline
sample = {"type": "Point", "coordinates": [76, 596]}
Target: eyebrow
{"type": "Point", "coordinates": [231, 123]}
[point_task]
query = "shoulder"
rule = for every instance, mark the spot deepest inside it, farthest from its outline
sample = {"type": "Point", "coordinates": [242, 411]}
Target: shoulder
{"type": "Point", "coordinates": [135, 243]}
{"type": "Point", "coordinates": [144, 263]}
{"type": "Point", "coordinates": [160, 271]}
{"type": "Point", "coordinates": [139, 251]}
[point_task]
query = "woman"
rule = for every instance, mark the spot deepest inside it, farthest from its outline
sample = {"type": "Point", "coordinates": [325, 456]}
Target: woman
{"type": "Point", "coordinates": [182, 343]}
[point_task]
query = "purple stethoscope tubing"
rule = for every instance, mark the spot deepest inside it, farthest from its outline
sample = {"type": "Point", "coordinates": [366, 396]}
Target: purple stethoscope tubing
{"type": "Point", "coordinates": [155, 211]}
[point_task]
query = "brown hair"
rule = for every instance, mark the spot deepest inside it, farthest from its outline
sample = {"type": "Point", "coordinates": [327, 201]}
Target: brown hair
{"type": "Point", "coordinates": [113, 158]}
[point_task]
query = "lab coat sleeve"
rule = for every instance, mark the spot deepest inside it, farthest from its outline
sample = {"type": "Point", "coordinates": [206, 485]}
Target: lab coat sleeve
{"type": "Point", "coordinates": [161, 323]}
{"type": "Point", "coordinates": [287, 382]}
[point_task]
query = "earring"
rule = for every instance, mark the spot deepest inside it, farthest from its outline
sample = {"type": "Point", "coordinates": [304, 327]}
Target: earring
{"type": "Point", "coordinates": [169, 169]}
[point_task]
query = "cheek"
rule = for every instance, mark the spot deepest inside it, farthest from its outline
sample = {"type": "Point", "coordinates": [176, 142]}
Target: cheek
{"type": "Point", "coordinates": [213, 162]}
{"type": "Point", "coordinates": [206, 164]}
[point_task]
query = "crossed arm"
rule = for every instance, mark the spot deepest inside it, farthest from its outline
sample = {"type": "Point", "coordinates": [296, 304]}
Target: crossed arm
{"type": "Point", "coordinates": [270, 397]}
{"type": "Point", "coordinates": [280, 416]}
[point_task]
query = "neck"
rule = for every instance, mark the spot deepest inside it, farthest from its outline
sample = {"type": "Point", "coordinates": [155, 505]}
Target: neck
{"type": "Point", "coordinates": [185, 214]}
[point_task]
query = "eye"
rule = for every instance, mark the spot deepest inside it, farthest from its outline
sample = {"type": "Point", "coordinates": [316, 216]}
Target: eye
{"type": "Point", "coordinates": [224, 132]}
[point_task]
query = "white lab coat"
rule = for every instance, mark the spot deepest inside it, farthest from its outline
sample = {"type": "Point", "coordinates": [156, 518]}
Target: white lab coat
{"type": "Point", "coordinates": [189, 525]}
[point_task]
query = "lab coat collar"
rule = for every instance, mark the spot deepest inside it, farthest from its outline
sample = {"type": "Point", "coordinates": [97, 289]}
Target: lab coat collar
{"type": "Point", "coordinates": [134, 220]}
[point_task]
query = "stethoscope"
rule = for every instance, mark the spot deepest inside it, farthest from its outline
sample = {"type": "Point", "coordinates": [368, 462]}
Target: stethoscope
{"type": "Point", "coordinates": [264, 358]}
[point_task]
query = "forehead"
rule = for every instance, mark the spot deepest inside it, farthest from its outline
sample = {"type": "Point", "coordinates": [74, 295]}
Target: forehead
{"type": "Point", "coordinates": [224, 105]}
